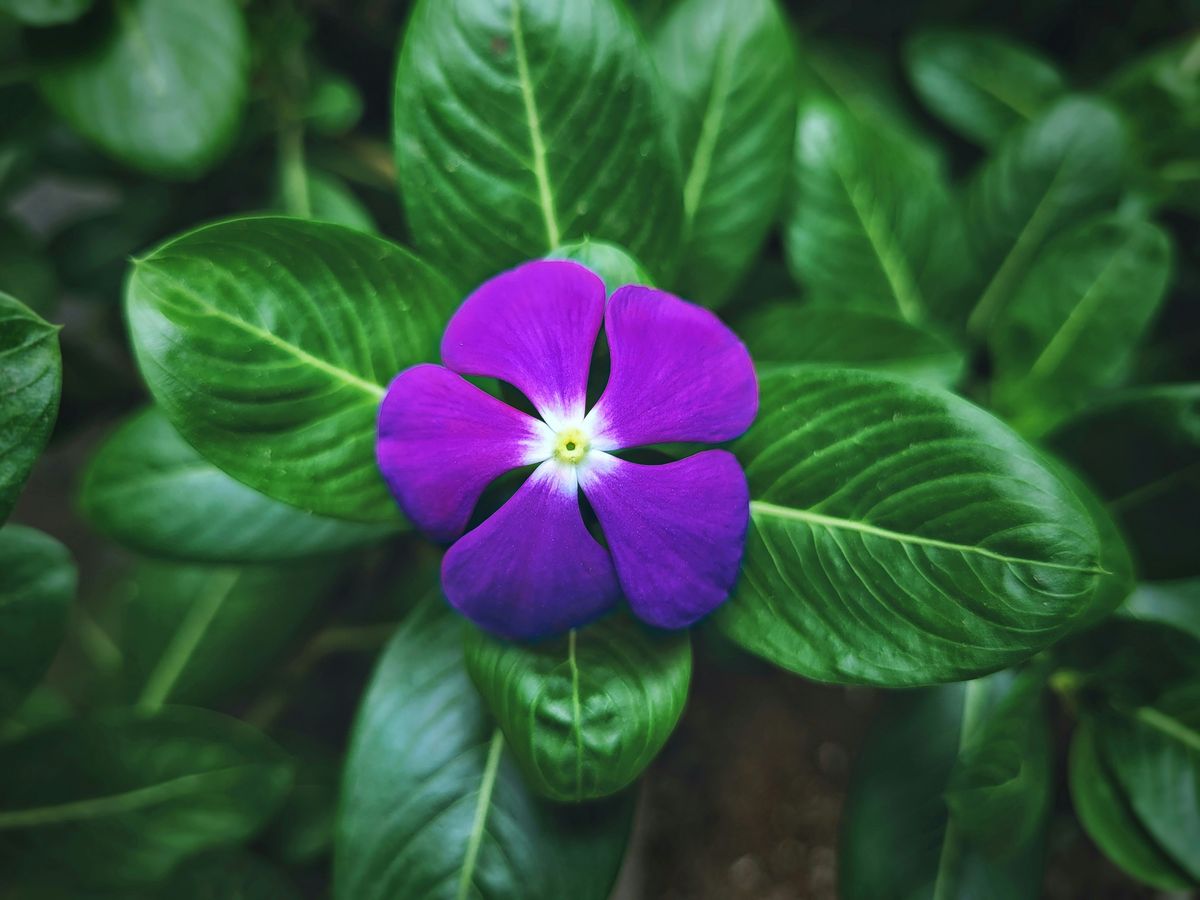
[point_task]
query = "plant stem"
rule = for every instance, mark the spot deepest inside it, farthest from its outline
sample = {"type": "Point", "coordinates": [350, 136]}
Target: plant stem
{"type": "Point", "coordinates": [974, 700]}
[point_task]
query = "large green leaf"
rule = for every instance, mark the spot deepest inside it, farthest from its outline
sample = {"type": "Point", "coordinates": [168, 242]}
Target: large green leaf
{"type": "Point", "coordinates": [122, 798]}
{"type": "Point", "coordinates": [981, 85]}
{"type": "Point", "coordinates": [900, 535]}
{"type": "Point", "coordinates": [30, 384]}
{"type": "Point", "coordinates": [267, 343]}
{"type": "Point", "coordinates": [729, 69]}
{"type": "Point", "coordinates": [159, 84]}
{"type": "Point", "coordinates": [37, 582]}
{"type": "Point", "coordinates": [1053, 171]}
{"type": "Point", "coordinates": [1106, 815]}
{"type": "Point", "coordinates": [45, 12]}
{"type": "Point", "coordinates": [149, 489]}
{"type": "Point", "coordinates": [1141, 450]}
{"type": "Point", "coordinates": [871, 219]}
{"type": "Point", "coordinates": [192, 634]}
{"type": "Point", "coordinates": [899, 839]}
{"type": "Point", "coordinates": [1073, 323]}
{"type": "Point", "coordinates": [586, 713]}
{"type": "Point", "coordinates": [522, 124]}
{"type": "Point", "coordinates": [787, 333]}
{"type": "Point", "coordinates": [433, 806]}
{"type": "Point", "coordinates": [1154, 755]}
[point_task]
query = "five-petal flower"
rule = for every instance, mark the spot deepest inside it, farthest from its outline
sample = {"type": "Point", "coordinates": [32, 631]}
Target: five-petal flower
{"type": "Point", "coordinates": [675, 531]}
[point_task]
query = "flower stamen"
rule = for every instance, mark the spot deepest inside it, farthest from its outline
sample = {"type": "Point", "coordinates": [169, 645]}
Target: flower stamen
{"type": "Point", "coordinates": [571, 446]}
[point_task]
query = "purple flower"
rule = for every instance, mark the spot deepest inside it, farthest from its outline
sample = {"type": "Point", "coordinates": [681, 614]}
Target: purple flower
{"type": "Point", "coordinates": [675, 531]}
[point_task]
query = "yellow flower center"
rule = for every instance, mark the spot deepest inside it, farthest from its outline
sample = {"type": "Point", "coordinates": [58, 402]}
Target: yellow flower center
{"type": "Point", "coordinates": [571, 446]}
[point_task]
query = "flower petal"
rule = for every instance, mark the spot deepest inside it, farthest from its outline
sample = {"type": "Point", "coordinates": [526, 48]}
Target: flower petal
{"type": "Point", "coordinates": [532, 569]}
{"type": "Point", "coordinates": [442, 441]}
{"type": "Point", "coordinates": [676, 531]}
{"type": "Point", "coordinates": [534, 327]}
{"type": "Point", "coordinates": [678, 374]}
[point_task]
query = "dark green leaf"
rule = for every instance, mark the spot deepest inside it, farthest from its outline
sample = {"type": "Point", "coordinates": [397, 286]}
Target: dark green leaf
{"type": "Point", "coordinates": [159, 84]}
{"type": "Point", "coordinates": [1048, 174]}
{"type": "Point", "coordinates": [433, 807]}
{"type": "Point", "coordinates": [37, 582]}
{"type": "Point", "coordinates": [1075, 320]}
{"type": "Point", "coordinates": [1141, 450]}
{"type": "Point", "coordinates": [329, 200]}
{"type": "Point", "coordinates": [302, 833]}
{"type": "Point", "coordinates": [334, 104]}
{"type": "Point", "coordinates": [1174, 603]}
{"type": "Point", "coordinates": [729, 69]}
{"type": "Point", "coordinates": [788, 332]}
{"type": "Point", "coordinates": [25, 270]}
{"type": "Point", "coordinates": [524, 124]}
{"type": "Point", "coordinates": [899, 841]}
{"type": "Point", "coordinates": [45, 12]}
{"type": "Point", "coordinates": [147, 488]}
{"type": "Point", "coordinates": [192, 634]}
{"type": "Point", "coordinates": [267, 343]}
{"type": "Point", "coordinates": [30, 383]}
{"type": "Point", "coordinates": [982, 85]}
{"type": "Point", "coordinates": [122, 798]}
{"type": "Point", "coordinates": [1109, 820]}
{"type": "Point", "coordinates": [614, 265]}
{"type": "Point", "coordinates": [871, 220]}
{"type": "Point", "coordinates": [226, 876]}
{"type": "Point", "coordinates": [586, 713]}
{"type": "Point", "coordinates": [900, 535]}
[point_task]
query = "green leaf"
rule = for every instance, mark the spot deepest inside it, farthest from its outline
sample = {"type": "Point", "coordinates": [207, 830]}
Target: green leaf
{"type": "Point", "coordinates": [226, 876]}
{"type": "Point", "coordinates": [524, 124]}
{"type": "Point", "coordinates": [193, 634]}
{"type": "Point", "coordinates": [899, 841]}
{"type": "Point", "coordinates": [330, 200]}
{"type": "Point", "coordinates": [586, 713]}
{"type": "Point", "coordinates": [122, 798]}
{"type": "Point", "coordinates": [871, 219]}
{"type": "Point", "coordinates": [1050, 173]}
{"type": "Point", "coordinates": [1140, 449]}
{"type": "Point", "coordinates": [981, 85]}
{"type": "Point", "coordinates": [1106, 815]}
{"type": "Point", "coordinates": [789, 332]}
{"type": "Point", "coordinates": [1073, 324]}
{"type": "Point", "coordinates": [1174, 603]}
{"type": "Point", "coordinates": [148, 489]}
{"type": "Point", "coordinates": [614, 265]}
{"type": "Point", "coordinates": [900, 535]}
{"type": "Point", "coordinates": [158, 84]}
{"type": "Point", "coordinates": [37, 583]}
{"type": "Point", "coordinates": [267, 343]}
{"type": "Point", "coordinates": [334, 103]}
{"type": "Point", "coordinates": [45, 12]}
{"type": "Point", "coordinates": [30, 383]}
{"type": "Point", "coordinates": [1154, 753]}
{"type": "Point", "coordinates": [25, 270]}
{"type": "Point", "coordinates": [729, 69]}
{"type": "Point", "coordinates": [433, 807]}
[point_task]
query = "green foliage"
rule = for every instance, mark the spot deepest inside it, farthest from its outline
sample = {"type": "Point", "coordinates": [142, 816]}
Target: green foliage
{"type": "Point", "coordinates": [584, 714]}
{"type": "Point", "coordinates": [45, 12]}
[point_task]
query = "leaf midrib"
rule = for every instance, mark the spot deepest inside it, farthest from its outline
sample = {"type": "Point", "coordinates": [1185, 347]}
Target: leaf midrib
{"type": "Point", "coordinates": [710, 129]}
{"type": "Point", "coordinates": [533, 122]}
{"type": "Point", "coordinates": [1169, 726]}
{"type": "Point", "coordinates": [772, 510]}
{"type": "Point", "coordinates": [487, 787]}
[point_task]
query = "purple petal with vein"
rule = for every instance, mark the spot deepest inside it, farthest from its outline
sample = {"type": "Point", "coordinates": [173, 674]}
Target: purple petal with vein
{"type": "Point", "coordinates": [442, 441]}
{"type": "Point", "coordinates": [678, 374]}
{"type": "Point", "coordinates": [534, 327]}
{"type": "Point", "coordinates": [676, 531]}
{"type": "Point", "coordinates": [532, 569]}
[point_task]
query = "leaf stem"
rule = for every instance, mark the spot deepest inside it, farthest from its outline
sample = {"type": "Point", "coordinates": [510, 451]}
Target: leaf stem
{"type": "Point", "coordinates": [292, 172]}
{"type": "Point", "coordinates": [974, 701]}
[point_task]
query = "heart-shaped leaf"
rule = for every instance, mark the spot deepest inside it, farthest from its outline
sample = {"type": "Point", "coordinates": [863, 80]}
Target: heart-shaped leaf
{"type": "Point", "coordinates": [871, 219]}
{"type": "Point", "coordinates": [37, 582]}
{"type": "Point", "coordinates": [1110, 821]}
{"type": "Point", "coordinates": [45, 12]}
{"type": "Point", "coordinates": [121, 798]}
{"type": "Point", "coordinates": [1073, 323]}
{"type": "Point", "coordinates": [788, 333]}
{"type": "Point", "coordinates": [149, 489]}
{"type": "Point", "coordinates": [1051, 172]}
{"type": "Point", "coordinates": [158, 84]}
{"type": "Point", "coordinates": [1140, 448]}
{"type": "Point", "coordinates": [30, 383]}
{"type": "Point", "coordinates": [730, 72]}
{"type": "Point", "coordinates": [524, 124]}
{"type": "Point", "coordinates": [192, 634]}
{"type": "Point", "coordinates": [900, 535]}
{"type": "Point", "coordinates": [900, 840]}
{"type": "Point", "coordinates": [586, 713]}
{"type": "Point", "coordinates": [981, 85]}
{"type": "Point", "coordinates": [267, 343]}
{"type": "Point", "coordinates": [433, 805]}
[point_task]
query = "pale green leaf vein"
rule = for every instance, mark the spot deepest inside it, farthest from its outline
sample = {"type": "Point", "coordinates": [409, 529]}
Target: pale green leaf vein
{"type": "Point", "coordinates": [486, 788]}
{"type": "Point", "coordinates": [540, 172]}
